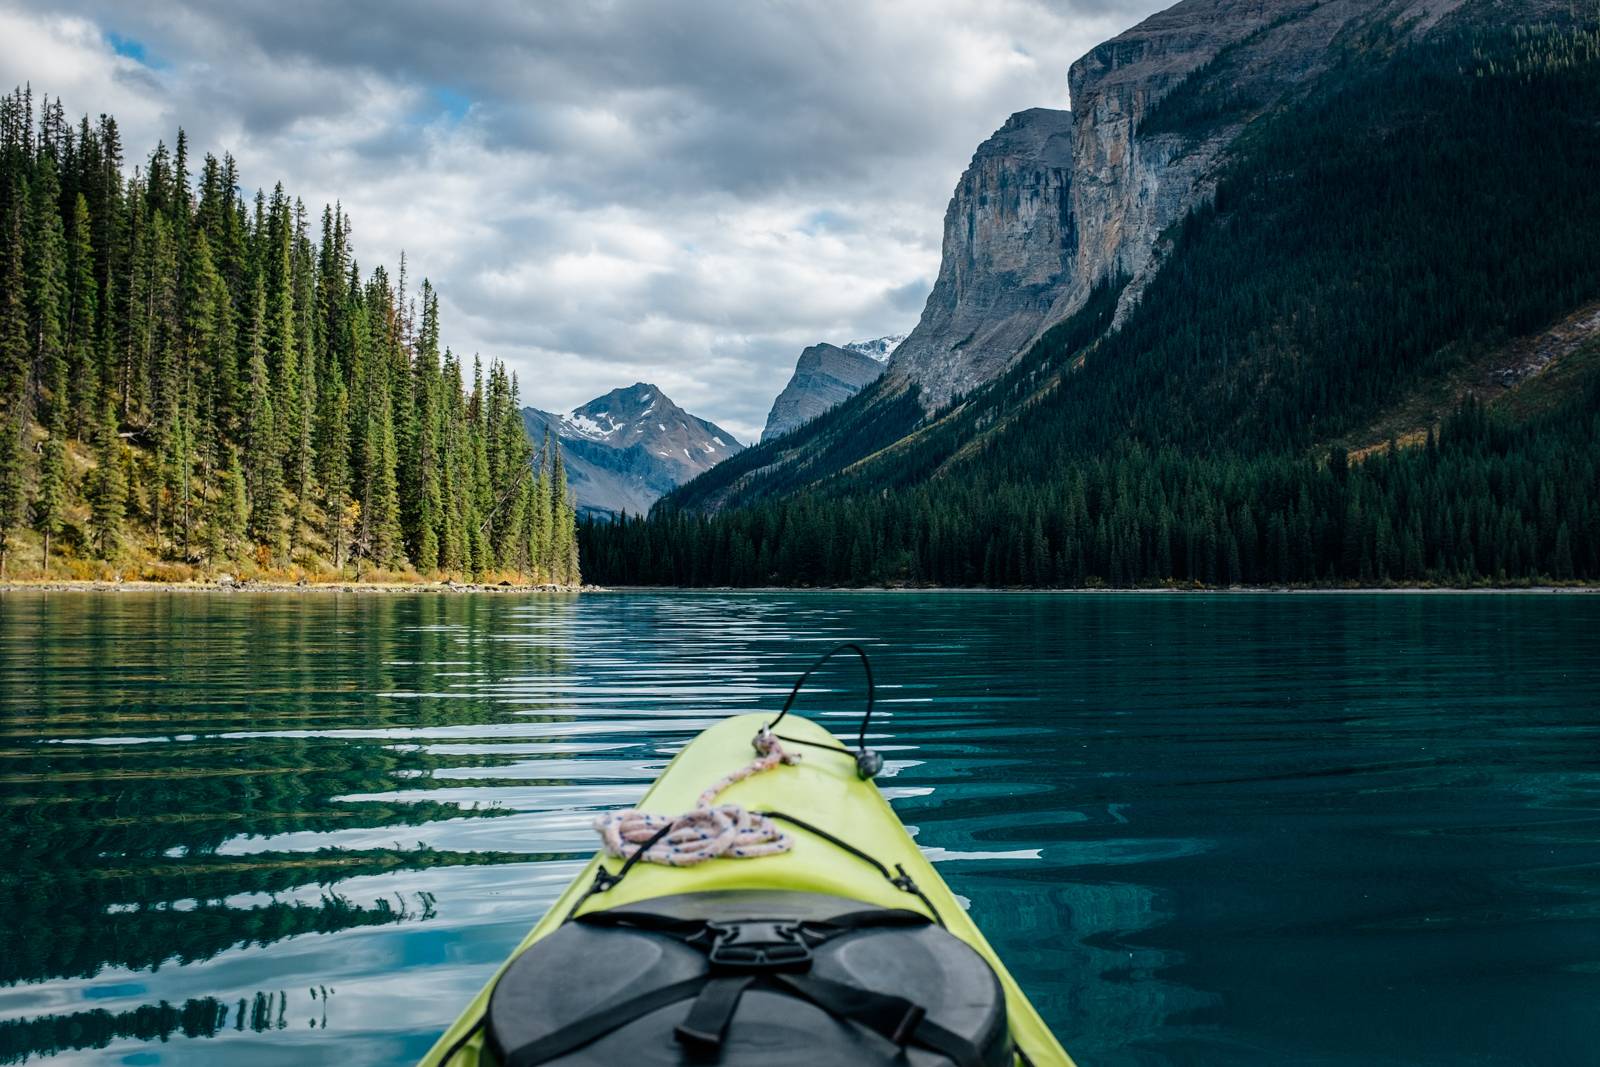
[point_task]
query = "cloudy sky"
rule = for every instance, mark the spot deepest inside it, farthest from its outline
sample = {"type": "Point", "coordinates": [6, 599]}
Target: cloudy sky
{"type": "Point", "coordinates": [605, 192]}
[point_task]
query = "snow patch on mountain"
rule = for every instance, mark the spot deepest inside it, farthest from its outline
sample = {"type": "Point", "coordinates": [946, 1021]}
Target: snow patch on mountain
{"type": "Point", "coordinates": [577, 424]}
{"type": "Point", "coordinates": [879, 348]}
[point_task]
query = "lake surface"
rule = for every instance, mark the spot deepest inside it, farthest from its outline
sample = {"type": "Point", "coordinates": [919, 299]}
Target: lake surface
{"type": "Point", "coordinates": [262, 829]}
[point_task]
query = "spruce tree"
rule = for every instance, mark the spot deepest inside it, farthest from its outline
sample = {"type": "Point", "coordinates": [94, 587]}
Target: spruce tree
{"type": "Point", "coordinates": [14, 347]}
{"type": "Point", "coordinates": [422, 490]}
{"type": "Point", "coordinates": [12, 491]}
{"type": "Point", "coordinates": [234, 524]}
{"type": "Point", "coordinates": [263, 469]}
{"type": "Point", "coordinates": [333, 465]}
{"type": "Point", "coordinates": [13, 375]}
{"type": "Point", "coordinates": [81, 313]}
{"type": "Point", "coordinates": [541, 514]}
{"type": "Point", "coordinates": [381, 508]}
{"type": "Point", "coordinates": [479, 486]}
{"type": "Point", "coordinates": [47, 283]}
{"type": "Point", "coordinates": [566, 532]}
{"type": "Point", "coordinates": [456, 504]}
{"type": "Point", "coordinates": [108, 486]}
{"type": "Point", "coordinates": [302, 464]}
{"type": "Point", "coordinates": [48, 502]}
{"type": "Point", "coordinates": [561, 546]}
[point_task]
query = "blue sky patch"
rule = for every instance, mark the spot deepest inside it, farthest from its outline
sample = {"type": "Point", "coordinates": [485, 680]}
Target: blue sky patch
{"type": "Point", "coordinates": [451, 102]}
{"type": "Point", "coordinates": [132, 48]}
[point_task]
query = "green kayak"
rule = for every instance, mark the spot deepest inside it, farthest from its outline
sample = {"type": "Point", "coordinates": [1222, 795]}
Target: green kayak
{"type": "Point", "coordinates": [819, 933]}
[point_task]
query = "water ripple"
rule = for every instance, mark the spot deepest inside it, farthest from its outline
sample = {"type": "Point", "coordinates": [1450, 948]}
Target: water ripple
{"type": "Point", "coordinates": [1267, 829]}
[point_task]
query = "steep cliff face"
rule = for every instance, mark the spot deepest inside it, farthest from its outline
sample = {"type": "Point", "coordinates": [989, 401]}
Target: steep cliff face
{"type": "Point", "coordinates": [1056, 201]}
{"type": "Point", "coordinates": [826, 375]}
{"type": "Point", "coordinates": [1008, 245]}
{"type": "Point", "coordinates": [1232, 59]}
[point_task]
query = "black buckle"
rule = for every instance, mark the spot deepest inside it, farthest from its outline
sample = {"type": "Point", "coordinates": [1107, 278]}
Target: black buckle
{"type": "Point", "coordinates": [760, 945]}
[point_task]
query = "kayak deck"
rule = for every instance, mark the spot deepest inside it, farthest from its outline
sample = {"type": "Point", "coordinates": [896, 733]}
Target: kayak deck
{"type": "Point", "coordinates": [824, 791]}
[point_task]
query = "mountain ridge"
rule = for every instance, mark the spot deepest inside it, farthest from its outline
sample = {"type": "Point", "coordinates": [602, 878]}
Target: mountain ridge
{"type": "Point", "coordinates": [627, 447]}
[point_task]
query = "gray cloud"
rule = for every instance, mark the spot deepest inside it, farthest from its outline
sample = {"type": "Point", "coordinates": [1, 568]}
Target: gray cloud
{"type": "Point", "coordinates": [684, 193]}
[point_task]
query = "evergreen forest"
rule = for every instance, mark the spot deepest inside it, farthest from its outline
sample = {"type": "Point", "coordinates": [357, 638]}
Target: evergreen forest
{"type": "Point", "coordinates": [196, 382]}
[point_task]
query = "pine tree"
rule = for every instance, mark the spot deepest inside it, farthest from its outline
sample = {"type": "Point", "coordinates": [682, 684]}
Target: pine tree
{"type": "Point", "coordinates": [47, 282]}
{"type": "Point", "coordinates": [333, 465]}
{"type": "Point", "coordinates": [13, 376]}
{"type": "Point", "coordinates": [82, 303]}
{"type": "Point", "coordinates": [234, 523]}
{"type": "Point", "coordinates": [51, 496]}
{"type": "Point", "coordinates": [14, 347]}
{"type": "Point", "coordinates": [541, 515]}
{"type": "Point", "coordinates": [108, 485]}
{"type": "Point", "coordinates": [264, 471]}
{"type": "Point", "coordinates": [381, 507]}
{"type": "Point", "coordinates": [422, 489]}
{"type": "Point", "coordinates": [12, 492]}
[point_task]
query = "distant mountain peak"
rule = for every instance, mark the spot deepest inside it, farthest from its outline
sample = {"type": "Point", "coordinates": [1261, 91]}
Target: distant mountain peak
{"type": "Point", "coordinates": [619, 412]}
{"type": "Point", "coordinates": [626, 448]}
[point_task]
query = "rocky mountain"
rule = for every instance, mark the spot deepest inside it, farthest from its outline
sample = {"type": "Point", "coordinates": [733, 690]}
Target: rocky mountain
{"type": "Point", "coordinates": [1056, 202]}
{"type": "Point", "coordinates": [1299, 305]}
{"type": "Point", "coordinates": [625, 449]}
{"type": "Point", "coordinates": [826, 375]}
{"type": "Point", "coordinates": [1299, 293]}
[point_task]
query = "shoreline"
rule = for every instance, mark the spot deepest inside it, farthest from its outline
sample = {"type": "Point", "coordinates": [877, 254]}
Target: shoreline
{"type": "Point", "coordinates": [1232, 590]}
{"type": "Point", "coordinates": [69, 585]}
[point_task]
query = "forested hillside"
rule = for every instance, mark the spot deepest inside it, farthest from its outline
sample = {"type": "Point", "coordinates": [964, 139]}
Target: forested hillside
{"type": "Point", "coordinates": [1418, 209]}
{"type": "Point", "coordinates": [193, 382]}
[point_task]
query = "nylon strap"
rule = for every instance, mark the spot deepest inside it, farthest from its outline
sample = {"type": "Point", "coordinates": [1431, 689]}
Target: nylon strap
{"type": "Point", "coordinates": [602, 1021]}
{"type": "Point", "coordinates": [820, 929]}
{"type": "Point", "coordinates": [896, 1018]}
{"type": "Point", "coordinates": [704, 1027]}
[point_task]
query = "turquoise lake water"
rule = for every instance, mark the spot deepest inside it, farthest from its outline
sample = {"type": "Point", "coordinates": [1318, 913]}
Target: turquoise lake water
{"type": "Point", "coordinates": [262, 829]}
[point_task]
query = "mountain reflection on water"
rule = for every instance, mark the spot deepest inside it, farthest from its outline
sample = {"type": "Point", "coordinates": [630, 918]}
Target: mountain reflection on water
{"type": "Point", "coordinates": [1221, 828]}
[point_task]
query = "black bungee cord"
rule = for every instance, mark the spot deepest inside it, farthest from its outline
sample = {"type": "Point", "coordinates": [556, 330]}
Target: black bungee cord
{"type": "Point", "coordinates": [868, 762]}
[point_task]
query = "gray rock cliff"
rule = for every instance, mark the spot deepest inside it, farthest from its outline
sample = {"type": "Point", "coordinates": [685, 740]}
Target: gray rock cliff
{"type": "Point", "coordinates": [1008, 245]}
{"type": "Point", "coordinates": [825, 375]}
{"type": "Point", "coordinates": [1056, 201]}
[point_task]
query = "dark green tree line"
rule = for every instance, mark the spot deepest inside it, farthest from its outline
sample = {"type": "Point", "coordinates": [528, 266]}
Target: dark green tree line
{"type": "Point", "coordinates": [191, 376]}
{"type": "Point", "coordinates": [1486, 500]}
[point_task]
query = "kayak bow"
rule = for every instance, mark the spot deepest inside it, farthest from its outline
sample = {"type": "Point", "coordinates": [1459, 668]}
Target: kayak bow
{"type": "Point", "coordinates": [836, 805]}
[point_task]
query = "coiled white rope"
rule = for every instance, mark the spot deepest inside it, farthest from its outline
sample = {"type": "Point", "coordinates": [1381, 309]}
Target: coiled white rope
{"type": "Point", "coordinates": [710, 830]}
